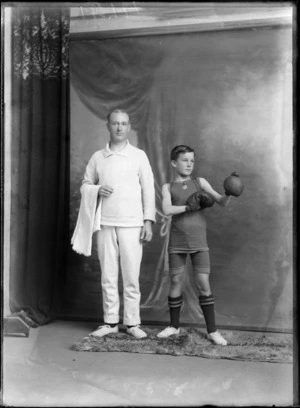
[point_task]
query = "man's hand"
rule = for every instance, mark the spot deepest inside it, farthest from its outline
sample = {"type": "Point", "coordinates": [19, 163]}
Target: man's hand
{"type": "Point", "coordinates": [105, 191]}
{"type": "Point", "coordinates": [146, 232]}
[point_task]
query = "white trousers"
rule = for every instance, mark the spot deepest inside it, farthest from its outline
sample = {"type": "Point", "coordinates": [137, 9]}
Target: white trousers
{"type": "Point", "coordinates": [120, 246]}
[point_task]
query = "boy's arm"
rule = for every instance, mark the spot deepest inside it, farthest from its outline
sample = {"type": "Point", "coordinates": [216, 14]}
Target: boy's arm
{"type": "Point", "coordinates": [167, 207]}
{"type": "Point", "coordinates": [223, 200]}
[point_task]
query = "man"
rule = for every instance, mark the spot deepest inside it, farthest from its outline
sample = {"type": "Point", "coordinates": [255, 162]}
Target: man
{"type": "Point", "coordinates": [127, 202]}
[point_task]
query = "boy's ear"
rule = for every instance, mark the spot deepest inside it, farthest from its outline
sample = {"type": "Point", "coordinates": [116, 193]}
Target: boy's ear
{"type": "Point", "coordinates": [173, 162]}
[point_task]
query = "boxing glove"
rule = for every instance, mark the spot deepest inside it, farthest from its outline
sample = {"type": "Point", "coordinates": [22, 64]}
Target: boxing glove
{"type": "Point", "coordinates": [233, 185]}
{"type": "Point", "coordinates": [198, 201]}
{"type": "Point", "coordinates": [206, 200]}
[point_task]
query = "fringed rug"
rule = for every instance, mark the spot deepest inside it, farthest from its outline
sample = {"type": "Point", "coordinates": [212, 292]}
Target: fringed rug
{"type": "Point", "coordinates": [272, 348]}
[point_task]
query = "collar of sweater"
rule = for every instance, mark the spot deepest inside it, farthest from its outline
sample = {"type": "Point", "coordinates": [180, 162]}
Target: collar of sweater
{"type": "Point", "coordinates": [124, 152]}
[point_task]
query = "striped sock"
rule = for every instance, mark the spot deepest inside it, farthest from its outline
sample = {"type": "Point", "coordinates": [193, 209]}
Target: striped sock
{"type": "Point", "coordinates": [175, 306]}
{"type": "Point", "coordinates": [207, 305]}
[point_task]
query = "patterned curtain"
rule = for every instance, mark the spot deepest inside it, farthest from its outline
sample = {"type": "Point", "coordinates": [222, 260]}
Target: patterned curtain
{"type": "Point", "coordinates": [40, 164]}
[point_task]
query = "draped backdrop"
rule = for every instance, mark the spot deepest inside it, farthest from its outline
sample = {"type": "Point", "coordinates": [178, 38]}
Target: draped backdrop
{"type": "Point", "coordinates": [40, 160]}
{"type": "Point", "coordinates": [228, 95]}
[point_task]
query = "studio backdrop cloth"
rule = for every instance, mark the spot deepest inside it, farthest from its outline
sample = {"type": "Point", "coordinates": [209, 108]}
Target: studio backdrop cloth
{"type": "Point", "coordinates": [228, 95]}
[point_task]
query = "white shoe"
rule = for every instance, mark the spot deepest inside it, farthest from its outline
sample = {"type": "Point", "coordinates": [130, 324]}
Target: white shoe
{"type": "Point", "coordinates": [104, 330]}
{"type": "Point", "coordinates": [136, 332]}
{"type": "Point", "coordinates": [168, 331]}
{"type": "Point", "coordinates": [217, 338]}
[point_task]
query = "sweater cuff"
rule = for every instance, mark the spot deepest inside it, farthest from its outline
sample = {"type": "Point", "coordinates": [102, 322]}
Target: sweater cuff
{"type": "Point", "coordinates": [148, 217]}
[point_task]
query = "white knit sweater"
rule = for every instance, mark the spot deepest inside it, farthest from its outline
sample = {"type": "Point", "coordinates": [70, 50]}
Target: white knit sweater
{"type": "Point", "coordinates": [130, 175]}
{"type": "Point", "coordinates": [132, 202]}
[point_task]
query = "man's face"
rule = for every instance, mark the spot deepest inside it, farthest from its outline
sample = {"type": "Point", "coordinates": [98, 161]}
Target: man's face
{"type": "Point", "coordinates": [118, 127]}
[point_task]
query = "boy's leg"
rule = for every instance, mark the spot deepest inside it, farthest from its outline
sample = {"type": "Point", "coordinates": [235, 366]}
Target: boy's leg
{"type": "Point", "coordinates": [201, 267]}
{"type": "Point", "coordinates": [175, 304]}
{"type": "Point", "coordinates": [207, 304]}
{"type": "Point", "coordinates": [177, 267]}
{"type": "Point", "coordinates": [176, 270]}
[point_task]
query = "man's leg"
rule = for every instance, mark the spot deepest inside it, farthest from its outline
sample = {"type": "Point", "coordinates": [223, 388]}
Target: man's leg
{"type": "Point", "coordinates": [131, 250]}
{"type": "Point", "coordinates": [108, 254]}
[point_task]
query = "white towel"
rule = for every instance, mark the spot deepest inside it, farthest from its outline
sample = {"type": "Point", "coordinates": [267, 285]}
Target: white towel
{"type": "Point", "coordinates": [88, 220]}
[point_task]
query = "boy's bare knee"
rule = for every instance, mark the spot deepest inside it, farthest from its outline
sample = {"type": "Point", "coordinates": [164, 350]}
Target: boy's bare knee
{"type": "Point", "coordinates": [176, 276]}
{"type": "Point", "coordinates": [176, 280]}
{"type": "Point", "coordinates": [204, 291]}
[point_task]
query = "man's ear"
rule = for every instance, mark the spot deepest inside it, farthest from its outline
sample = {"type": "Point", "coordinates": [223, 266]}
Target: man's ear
{"type": "Point", "coordinates": [107, 125]}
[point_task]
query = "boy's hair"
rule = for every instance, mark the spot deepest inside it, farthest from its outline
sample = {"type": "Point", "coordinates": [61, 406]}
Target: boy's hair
{"type": "Point", "coordinates": [180, 149]}
{"type": "Point", "coordinates": [117, 111]}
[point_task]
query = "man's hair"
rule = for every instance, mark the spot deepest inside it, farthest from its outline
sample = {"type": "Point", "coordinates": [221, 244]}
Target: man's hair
{"type": "Point", "coordinates": [180, 149]}
{"type": "Point", "coordinates": [117, 111]}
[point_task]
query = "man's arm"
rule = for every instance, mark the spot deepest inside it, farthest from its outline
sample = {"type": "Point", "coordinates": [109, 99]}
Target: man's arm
{"type": "Point", "coordinates": [91, 178]}
{"type": "Point", "coordinates": [146, 232]}
{"type": "Point", "coordinates": [148, 199]}
{"type": "Point", "coordinates": [90, 175]}
{"type": "Point", "coordinates": [148, 191]}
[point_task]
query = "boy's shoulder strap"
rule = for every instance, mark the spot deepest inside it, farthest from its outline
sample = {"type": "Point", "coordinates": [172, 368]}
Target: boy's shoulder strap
{"type": "Point", "coordinates": [197, 183]}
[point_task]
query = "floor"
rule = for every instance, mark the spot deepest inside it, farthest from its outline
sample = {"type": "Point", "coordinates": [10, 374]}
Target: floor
{"type": "Point", "coordinates": [41, 370]}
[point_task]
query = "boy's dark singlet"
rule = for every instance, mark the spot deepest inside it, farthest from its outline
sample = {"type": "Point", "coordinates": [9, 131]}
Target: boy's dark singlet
{"type": "Point", "coordinates": [188, 230]}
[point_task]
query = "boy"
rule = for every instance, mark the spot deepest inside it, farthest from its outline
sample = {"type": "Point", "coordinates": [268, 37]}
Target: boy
{"type": "Point", "coordinates": [184, 200]}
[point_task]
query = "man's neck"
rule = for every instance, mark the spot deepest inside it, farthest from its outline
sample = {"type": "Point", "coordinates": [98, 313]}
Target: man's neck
{"type": "Point", "coordinates": [117, 147]}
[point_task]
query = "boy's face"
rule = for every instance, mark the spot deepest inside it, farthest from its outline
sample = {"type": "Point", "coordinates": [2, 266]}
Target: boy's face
{"type": "Point", "coordinates": [184, 164]}
{"type": "Point", "coordinates": [118, 127]}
